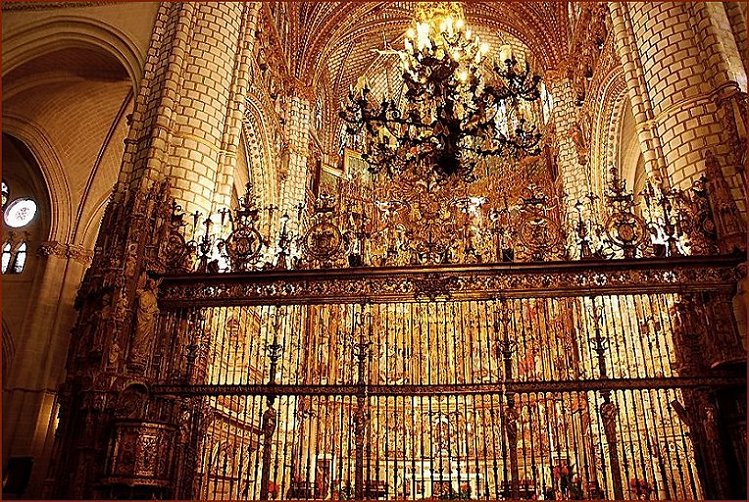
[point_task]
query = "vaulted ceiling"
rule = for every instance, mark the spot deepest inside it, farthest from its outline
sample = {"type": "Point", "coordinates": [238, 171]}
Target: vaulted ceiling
{"type": "Point", "coordinates": [339, 37]}
{"type": "Point", "coordinates": [336, 41]}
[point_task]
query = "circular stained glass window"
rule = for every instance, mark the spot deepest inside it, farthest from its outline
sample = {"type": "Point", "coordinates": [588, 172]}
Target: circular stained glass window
{"type": "Point", "coordinates": [20, 212]}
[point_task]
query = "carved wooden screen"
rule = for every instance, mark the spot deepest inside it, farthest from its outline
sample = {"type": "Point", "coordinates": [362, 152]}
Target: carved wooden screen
{"type": "Point", "coordinates": [581, 381]}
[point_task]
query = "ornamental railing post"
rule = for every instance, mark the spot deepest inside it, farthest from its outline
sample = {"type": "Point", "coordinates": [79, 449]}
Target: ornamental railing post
{"type": "Point", "coordinates": [608, 410]}
{"type": "Point", "coordinates": [270, 416]}
{"type": "Point", "coordinates": [361, 415]}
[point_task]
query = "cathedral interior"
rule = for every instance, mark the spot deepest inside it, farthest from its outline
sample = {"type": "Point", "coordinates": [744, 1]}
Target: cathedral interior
{"type": "Point", "coordinates": [374, 250]}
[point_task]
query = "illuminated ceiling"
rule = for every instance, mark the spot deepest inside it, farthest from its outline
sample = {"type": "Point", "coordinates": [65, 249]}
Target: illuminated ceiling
{"type": "Point", "coordinates": [336, 41]}
{"type": "Point", "coordinates": [339, 36]}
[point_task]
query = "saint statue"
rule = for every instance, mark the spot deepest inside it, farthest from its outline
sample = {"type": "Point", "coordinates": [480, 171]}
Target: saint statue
{"type": "Point", "coordinates": [146, 315]}
{"type": "Point", "coordinates": [580, 135]}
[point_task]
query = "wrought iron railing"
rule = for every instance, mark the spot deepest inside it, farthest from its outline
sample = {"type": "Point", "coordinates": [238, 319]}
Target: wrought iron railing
{"type": "Point", "coordinates": [577, 380]}
{"type": "Point", "coordinates": [319, 367]}
{"type": "Point", "coordinates": [413, 225]}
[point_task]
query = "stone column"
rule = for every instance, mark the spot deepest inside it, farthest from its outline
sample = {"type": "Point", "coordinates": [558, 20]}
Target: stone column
{"type": "Point", "coordinates": [298, 125]}
{"type": "Point", "coordinates": [677, 62]}
{"type": "Point", "coordinates": [642, 108]}
{"type": "Point", "coordinates": [187, 117]}
{"type": "Point", "coordinates": [573, 177]}
{"type": "Point", "coordinates": [185, 121]}
{"type": "Point", "coordinates": [29, 395]}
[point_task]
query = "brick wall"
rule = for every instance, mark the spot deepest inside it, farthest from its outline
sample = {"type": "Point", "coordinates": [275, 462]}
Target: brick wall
{"type": "Point", "coordinates": [188, 114]}
{"type": "Point", "coordinates": [680, 76]}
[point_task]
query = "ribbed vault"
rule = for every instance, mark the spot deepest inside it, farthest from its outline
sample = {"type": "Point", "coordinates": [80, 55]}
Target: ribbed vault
{"type": "Point", "coordinates": [339, 37]}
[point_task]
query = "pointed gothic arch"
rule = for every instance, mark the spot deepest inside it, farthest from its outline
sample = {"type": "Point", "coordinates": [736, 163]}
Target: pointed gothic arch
{"type": "Point", "coordinates": [61, 32]}
{"type": "Point", "coordinates": [261, 159]}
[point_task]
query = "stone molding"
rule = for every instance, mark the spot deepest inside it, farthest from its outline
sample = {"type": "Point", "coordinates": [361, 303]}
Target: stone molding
{"type": "Point", "coordinates": [63, 250]}
{"type": "Point", "coordinates": [20, 6]}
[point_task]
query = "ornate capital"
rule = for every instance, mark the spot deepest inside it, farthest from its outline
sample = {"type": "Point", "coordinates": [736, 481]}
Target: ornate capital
{"type": "Point", "coordinates": [50, 248]}
{"type": "Point", "coordinates": [79, 254]}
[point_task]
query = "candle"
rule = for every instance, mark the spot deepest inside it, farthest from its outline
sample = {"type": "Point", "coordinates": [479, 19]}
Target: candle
{"type": "Point", "coordinates": [505, 53]}
{"type": "Point", "coordinates": [422, 31]}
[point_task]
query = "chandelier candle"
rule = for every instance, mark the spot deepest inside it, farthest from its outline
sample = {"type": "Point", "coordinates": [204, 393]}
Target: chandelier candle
{"type": "Point", "coordinates": [448, 121]}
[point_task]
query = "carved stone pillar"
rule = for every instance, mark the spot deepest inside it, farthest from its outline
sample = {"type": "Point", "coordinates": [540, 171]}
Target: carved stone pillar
{"type": "Point", "coordinates": [687, 339]}
{"type": "Point", "coordinates": [126, 248]}
{"type": "Point", "coordinates": [677, 78]}
{"type": "Point", "coordinates": [574, 145]}
{"type": "Point", "coordinates": [731, 230]}
{"type": "Point", "coordinates": [298, 124]}
{"type": "Point", "coordinates": [705, 338]}
{"type": "Point", "coordinates": [706, 435]}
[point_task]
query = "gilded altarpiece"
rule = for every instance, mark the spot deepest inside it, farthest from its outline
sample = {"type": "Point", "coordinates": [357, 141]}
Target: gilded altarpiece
{"type": "Point", "coordinates": [408, 342]}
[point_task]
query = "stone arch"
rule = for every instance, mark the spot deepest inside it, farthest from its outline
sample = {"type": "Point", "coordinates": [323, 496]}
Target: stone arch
{"type": "Point", "coordinates": [90, 228]}
{"type": "Point", "coordinates": [261, 160]}
{"type": "Point", "coordinates": [62, 32]}
{"type": "Point", "coordinates": [50, 165]}
{"type": "Point", "coordinates": [610, 117]}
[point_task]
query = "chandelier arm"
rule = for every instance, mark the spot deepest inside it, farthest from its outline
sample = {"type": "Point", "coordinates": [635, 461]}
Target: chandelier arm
{"type": "Point", "coordinates": [450, 119]}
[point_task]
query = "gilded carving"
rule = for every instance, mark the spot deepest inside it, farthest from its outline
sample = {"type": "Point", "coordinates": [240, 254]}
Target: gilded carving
{"type": "Point", "coordinates": [730, 228]}
{"type": "Point", "coordinates": [478, 281]}
{"type": "Point", "coordinates": [146, 318]}
{"type": "Point", "coordinates": [140, 454]}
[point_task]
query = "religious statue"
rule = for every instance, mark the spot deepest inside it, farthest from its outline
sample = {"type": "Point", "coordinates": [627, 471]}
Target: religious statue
{"type": "Point", "coordinates": [580, 135]}
{"type": "Point", "coordinates": [104, 321]}
{"type": "Point", "coordinates": [114, 355]}
{"type": "Point", "coordinates": [442, 434]}
{"type": "Point", "coordinates": [146, 315]}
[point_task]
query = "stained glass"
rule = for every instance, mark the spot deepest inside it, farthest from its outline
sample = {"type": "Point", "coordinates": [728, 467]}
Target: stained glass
{"type": "Point", "coordinates": [20, 212]}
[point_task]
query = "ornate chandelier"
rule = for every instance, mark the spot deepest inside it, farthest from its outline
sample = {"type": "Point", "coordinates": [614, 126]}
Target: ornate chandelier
{"type": "Point", "coordinates": [456, 103]}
